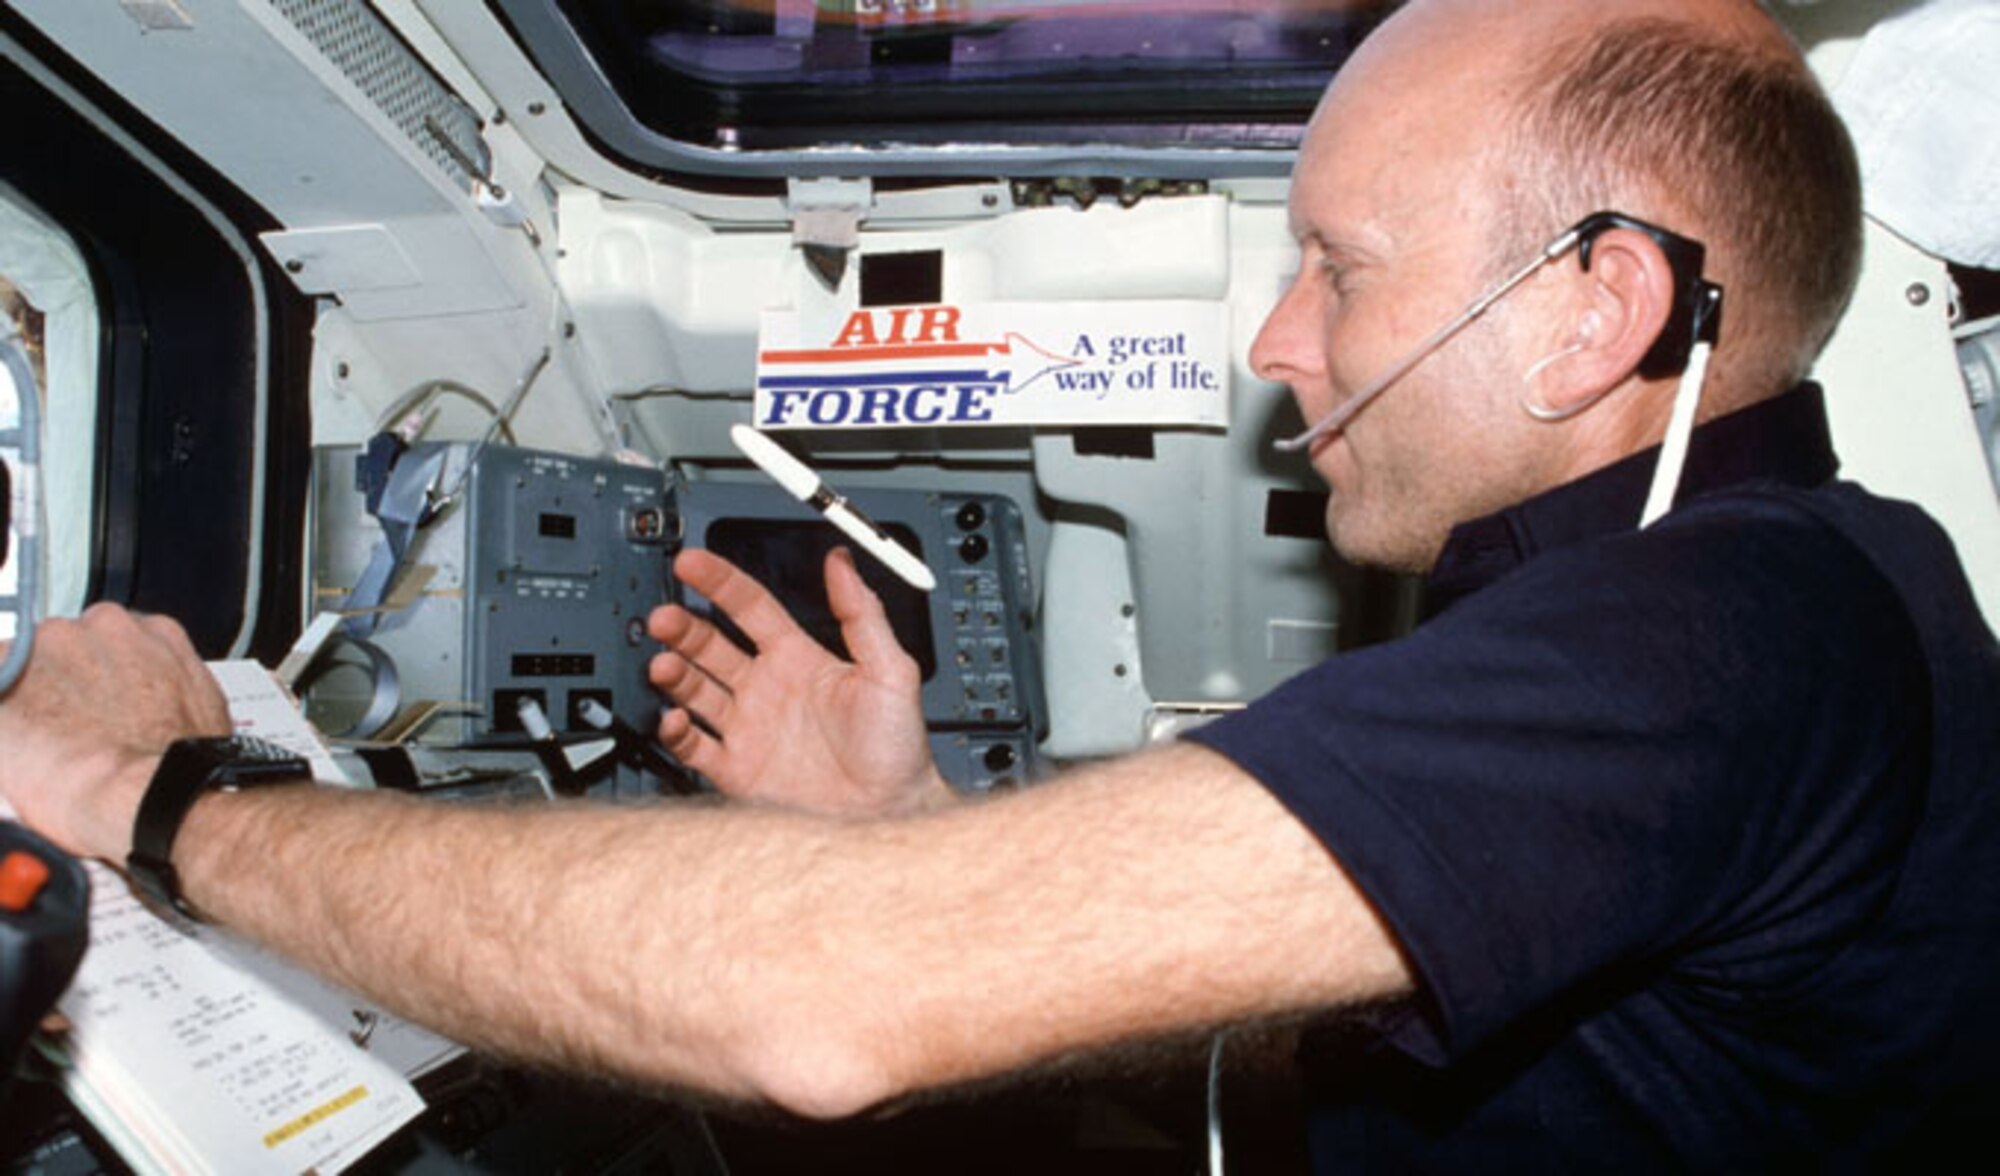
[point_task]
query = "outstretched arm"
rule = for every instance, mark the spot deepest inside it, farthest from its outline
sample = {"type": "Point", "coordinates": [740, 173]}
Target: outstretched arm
{"type": "Point", "coordinates": [826, 965]}
{"type": "Point", "coordinates": [791, 723]}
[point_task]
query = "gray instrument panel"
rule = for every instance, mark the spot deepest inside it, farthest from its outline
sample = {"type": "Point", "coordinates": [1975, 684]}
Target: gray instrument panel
{"type": "Point", "coordinates": [545, 570]}
{"type": "Point", "coordinates": [547, 565]}
{"type": "Point", "coordinates": [974, 636]}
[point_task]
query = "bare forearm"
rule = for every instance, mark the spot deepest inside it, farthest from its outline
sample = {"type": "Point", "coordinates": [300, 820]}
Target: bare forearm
{"type": "Point", "coordinates": [1145, 898]}
{"type": "Point", "coordinates": [823, 964]}
{"type": "Point", "coordinates": [586, 937]}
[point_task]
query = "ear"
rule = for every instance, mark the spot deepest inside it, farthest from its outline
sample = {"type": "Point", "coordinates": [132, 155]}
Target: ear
{"type": "Point", "coordinates": [1618, 307]}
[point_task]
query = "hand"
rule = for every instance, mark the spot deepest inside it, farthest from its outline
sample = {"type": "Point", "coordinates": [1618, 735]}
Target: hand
{"type": "Point", "coordinates": [82, 732]}
{"type": "Point", "coordinates": [792, 723]}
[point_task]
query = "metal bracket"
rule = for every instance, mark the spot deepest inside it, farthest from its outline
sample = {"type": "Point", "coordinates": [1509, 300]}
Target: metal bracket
{"type": "Point", "coordinates": [826, 221]}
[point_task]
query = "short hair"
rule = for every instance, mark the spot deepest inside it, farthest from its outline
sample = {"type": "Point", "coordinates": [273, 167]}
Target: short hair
{"type": "Point", "coordinates": [1741, 136]}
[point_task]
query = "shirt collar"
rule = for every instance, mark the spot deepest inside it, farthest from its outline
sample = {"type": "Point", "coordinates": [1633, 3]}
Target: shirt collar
{"type": "Point", "coordinates": [1784, 439]}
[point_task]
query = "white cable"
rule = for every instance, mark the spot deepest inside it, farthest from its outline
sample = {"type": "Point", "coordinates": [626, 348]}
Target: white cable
{"type": "Point", "coordinates": [1680, 429]}
{"type": "Point", "coordinates": [503, 418]}
{"type": "Point", "coordinates": [563, 338]}
{"type": "Point", "coordinates": [1215, 1104]}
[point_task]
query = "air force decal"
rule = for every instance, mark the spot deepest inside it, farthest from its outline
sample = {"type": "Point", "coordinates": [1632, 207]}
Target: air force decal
{"type": "Point", "coordinates": [998, 364]}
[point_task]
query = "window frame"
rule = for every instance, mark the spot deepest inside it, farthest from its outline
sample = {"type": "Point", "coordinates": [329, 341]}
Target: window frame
{"type": "Point", "coordinates": [203, 439]}
{"type": "Point", "coordinates": [1239, 149]}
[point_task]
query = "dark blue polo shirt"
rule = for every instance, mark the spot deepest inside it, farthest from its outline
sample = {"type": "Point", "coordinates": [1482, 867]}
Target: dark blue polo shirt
{"type": "Point", "coordinates": [1653, 816]}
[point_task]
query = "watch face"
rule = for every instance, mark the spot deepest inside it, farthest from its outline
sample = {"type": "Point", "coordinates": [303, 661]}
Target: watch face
{"type": "Point", "coordinates": [251, 748]}
{"type": "Point", "coordinates": [206, 749]}
{"type": "Point", "coordinates": [228, 759]}
{"type": "Point", "coordinates": [246, 759]}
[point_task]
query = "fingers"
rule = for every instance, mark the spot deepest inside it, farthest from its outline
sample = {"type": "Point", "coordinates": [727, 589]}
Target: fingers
{"type": "Point", "coordinates": [144, 660]}
{"type": "Point", "coordinates": [700, 642]}
{"type": "Point", "coordinates": [684, 682]}
{"type": "Point", "coordinates": [206, 705]}
{"type": "Point", "coordinates": [864, 624]}
{"type": "Point", "coordinates": [688, 743]}
{"type": "Point", "coordinates": [740, 597]}
{"type": "Point", "coordinates": [148, 635]}
{"type": "Point", "coordinates": [168, 633]}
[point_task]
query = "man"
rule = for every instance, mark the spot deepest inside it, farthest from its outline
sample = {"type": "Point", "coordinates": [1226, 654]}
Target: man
{"type": "Point", "coordinates": [1642, 851]}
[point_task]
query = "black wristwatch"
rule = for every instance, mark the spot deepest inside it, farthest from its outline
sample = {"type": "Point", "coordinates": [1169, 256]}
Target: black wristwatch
{"type": "Point", "coordinates": [190, 768]}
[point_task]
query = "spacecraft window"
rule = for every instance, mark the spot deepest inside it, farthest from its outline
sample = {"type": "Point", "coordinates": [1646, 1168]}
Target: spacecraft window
{"type": "Point", "coordinates": [751, 75]}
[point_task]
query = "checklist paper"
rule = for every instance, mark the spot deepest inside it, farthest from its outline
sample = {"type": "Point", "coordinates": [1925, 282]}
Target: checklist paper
{"type": "Point", "coordinates": [191, 1064]}
{"type": "Point", "coordinates": [259, 706]}
{"type": "Point", "coordinates": [192, 1053]}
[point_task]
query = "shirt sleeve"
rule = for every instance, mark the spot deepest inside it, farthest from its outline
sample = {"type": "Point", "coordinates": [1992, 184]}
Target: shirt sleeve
{"type": "Point", "coordinates": [1663, 750]}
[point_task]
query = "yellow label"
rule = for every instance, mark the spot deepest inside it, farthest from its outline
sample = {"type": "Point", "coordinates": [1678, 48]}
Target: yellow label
{"type": "Point", "coordinates": [316, 1115]}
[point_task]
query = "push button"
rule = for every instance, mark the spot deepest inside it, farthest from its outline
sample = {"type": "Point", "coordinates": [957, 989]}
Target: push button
{"type": "Point", "coordinates": [22, 876]}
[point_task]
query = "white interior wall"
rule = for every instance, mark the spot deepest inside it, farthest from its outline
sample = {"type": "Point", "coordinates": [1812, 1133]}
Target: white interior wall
{"type": "Point", "coordinates": [415, 281]}
{"type": "Point", "coordinates": [1901, 413]}
{"type": "Point", "coordinates": [663, 289]}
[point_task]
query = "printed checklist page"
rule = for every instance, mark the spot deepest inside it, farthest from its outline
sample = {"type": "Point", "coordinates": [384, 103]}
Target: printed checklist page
{"type": "Point", "coordinates": [185, 1047]}
{"type": "Point", "coordinates": [206, 1065]}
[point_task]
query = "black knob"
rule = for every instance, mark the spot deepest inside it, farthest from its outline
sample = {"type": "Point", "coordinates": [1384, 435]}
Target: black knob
{"type": "Point", "coordinates": [973, 548]}
{"type": "Point", "coordinates": [970, 517]}
{"type": "Point", "coordinates": [998, 758]}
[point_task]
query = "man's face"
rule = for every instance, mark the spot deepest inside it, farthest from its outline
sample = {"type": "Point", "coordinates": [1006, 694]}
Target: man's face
{"type": "Point", "coordinates": [1392, 206]}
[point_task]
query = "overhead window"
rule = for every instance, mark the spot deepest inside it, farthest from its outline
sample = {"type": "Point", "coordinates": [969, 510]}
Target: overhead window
{"type": "Point", "coordinates": [748, 76]}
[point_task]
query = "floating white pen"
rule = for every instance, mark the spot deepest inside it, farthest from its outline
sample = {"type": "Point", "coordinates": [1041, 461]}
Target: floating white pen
{"type": "Point", "coordinates": [801, 483]}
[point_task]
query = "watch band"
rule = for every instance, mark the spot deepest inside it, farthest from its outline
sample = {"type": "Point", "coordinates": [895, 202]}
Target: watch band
{"type": "Point", "coordinates": [189, 768]}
